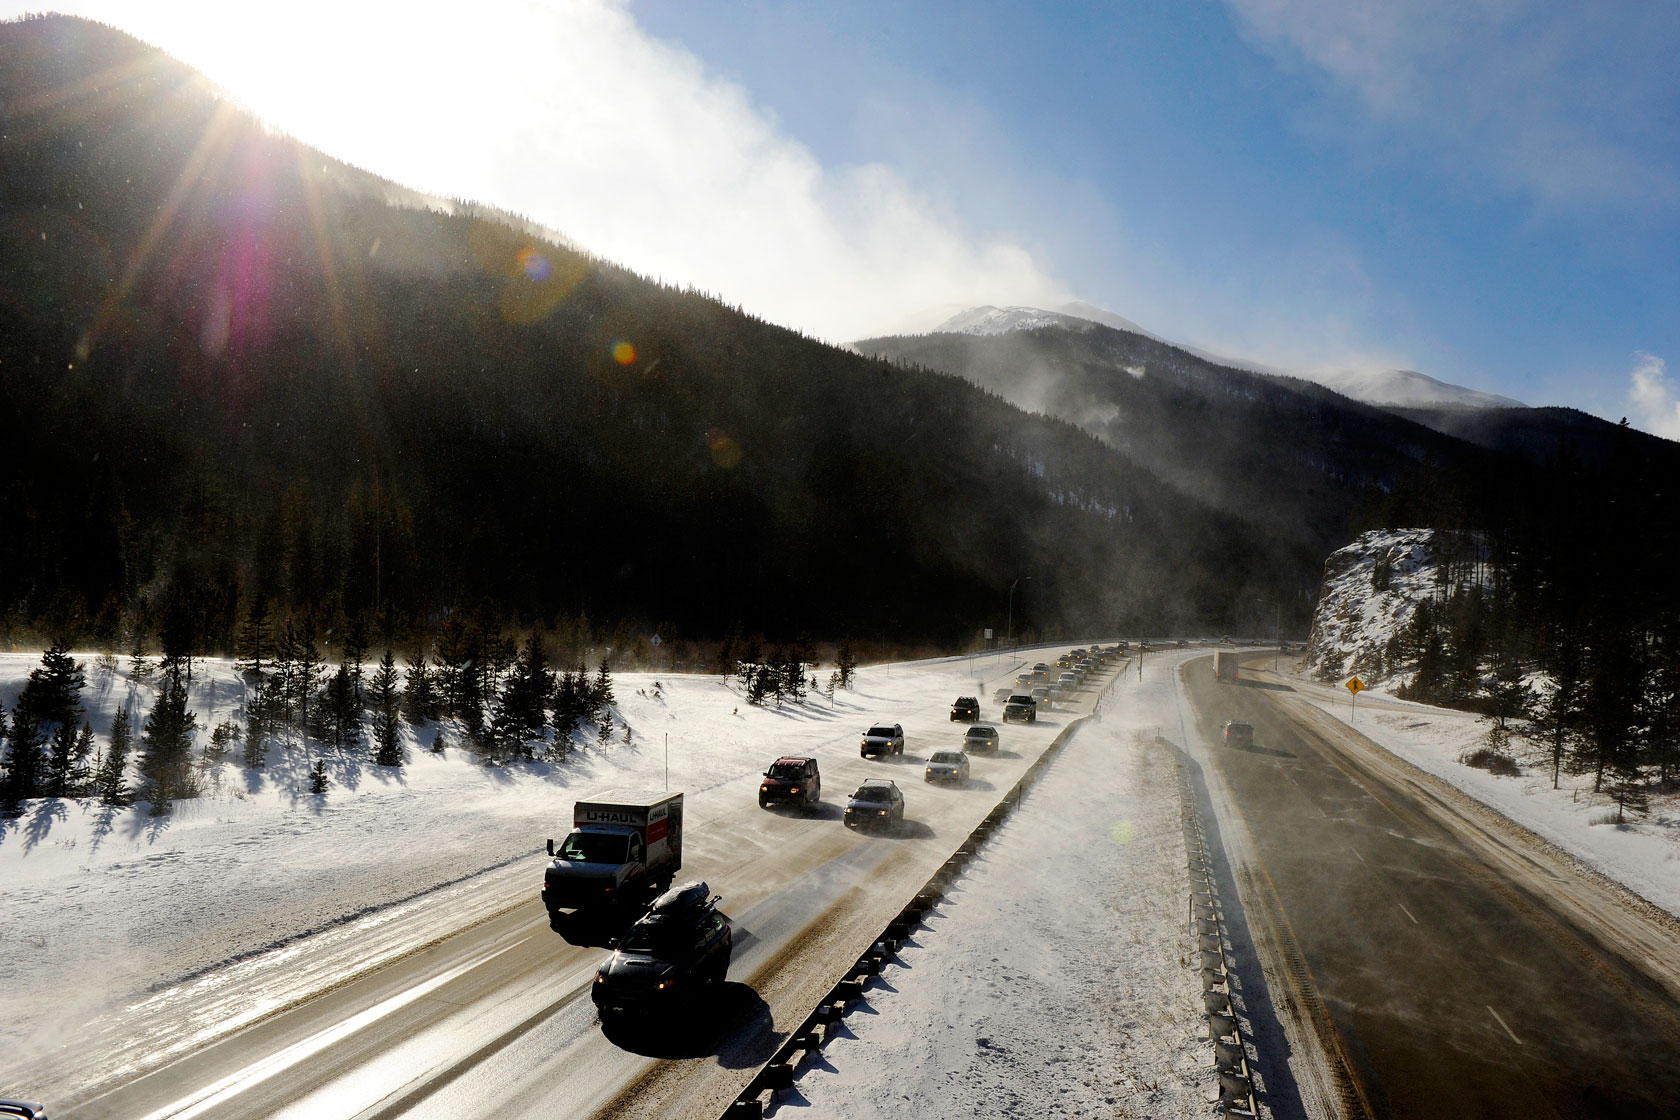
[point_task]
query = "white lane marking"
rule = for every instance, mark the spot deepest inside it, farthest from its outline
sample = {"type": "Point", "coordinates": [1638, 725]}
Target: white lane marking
{"type": "Point", "coordinates": [1415, 922]}
{"type": "Point", "coordinates": [1504, 1024]}
{"type": "Point", "coordinates": [218, 1092]}
{"type": "Point", "coordinates": [1356, 854]}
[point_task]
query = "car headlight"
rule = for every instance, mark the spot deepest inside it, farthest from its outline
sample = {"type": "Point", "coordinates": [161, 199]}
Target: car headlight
{"type": "Point", "coordinates": [600, 979]}
{"type": "Point", "coordinates": [764, 788]}
{"type": "Point", "coordinates": [883, 812]}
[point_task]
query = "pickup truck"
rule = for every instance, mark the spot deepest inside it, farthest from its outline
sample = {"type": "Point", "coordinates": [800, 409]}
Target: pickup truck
{"type": "Point", "coordinates": [623, 847]}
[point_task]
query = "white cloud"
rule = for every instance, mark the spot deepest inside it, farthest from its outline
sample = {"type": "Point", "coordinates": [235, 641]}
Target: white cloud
{"type": "Point", "coordinates": [1656, 407]}
{"type": "Point", "coordinates": [566, 111]}
{"type": "Point", "coordinates": [1568, 103]}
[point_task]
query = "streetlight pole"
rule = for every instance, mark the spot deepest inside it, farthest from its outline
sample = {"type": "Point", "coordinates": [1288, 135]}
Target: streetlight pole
{"type": "Point", "coordinates": [1011, 631]}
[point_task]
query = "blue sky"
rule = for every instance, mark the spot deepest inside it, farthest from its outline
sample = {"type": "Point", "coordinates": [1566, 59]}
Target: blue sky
{"type": "Point", "coordinates": [1484, 190]}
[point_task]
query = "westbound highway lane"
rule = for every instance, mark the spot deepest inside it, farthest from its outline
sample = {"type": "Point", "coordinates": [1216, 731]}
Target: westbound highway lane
{"type": "Point", "coordinates": [1465, 969]}
{"type": "Point", "coordinates": [495, 1017]}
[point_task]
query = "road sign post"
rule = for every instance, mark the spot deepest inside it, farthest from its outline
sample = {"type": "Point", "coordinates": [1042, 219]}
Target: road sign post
{"type": "Point", "coordinates": [1354, 686]}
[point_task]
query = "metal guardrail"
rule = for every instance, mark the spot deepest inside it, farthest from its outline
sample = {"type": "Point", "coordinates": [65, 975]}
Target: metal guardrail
{"type": "Point", "coordinates": [1233, 1051]}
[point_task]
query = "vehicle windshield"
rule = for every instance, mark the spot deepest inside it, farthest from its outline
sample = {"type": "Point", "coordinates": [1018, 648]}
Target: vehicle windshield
{"type": "Point", "coordinates": [659, 937]}
{"type": "Point", "coordinates": [872, 793]}
{"type": "Point", "coordinates": [787, 771]}
{"type": "Point", "coordinates": [980, 733]}
{"type": "Point", "coordinates": [946, 756]}
{"type": "Point", "coordinates": [593, 847]}
{"type": "Point", "coordinates": [881, 732]}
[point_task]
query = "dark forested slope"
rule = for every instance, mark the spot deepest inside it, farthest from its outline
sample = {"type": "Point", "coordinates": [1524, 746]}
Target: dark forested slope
{"type": "Point", "coordinates": [235, 370]}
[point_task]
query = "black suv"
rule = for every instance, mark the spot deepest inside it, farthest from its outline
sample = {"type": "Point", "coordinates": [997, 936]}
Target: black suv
{"type": "Point", "coordinates": [965, 707]}
{"type": "Point", "coordinates": [791, 780]}
{"type": "Point", "coordinates": [1021, 706]}
{"type": "Point", "coordinates": [680, 945]}
{"type": "Point", "coordinates": [883, 738]}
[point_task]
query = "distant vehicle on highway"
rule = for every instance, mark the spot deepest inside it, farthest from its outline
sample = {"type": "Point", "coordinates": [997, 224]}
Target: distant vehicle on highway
{"type": "Point", "coordinates": [876, 803]}
{"type": "Point", "coordinates": [681, 945]}
{"type": "Point", "coordinates": [947, 766]}
{"type": "Point", "coordinates": [791, 780]}
{"type": "Point", "coordinates": [1041, 694]}
{"type": "Point", "coordinates": [883, 738]}
{"type": "Point", "coordinates": [981, 739]}
{"type": "Point", "coordinates": [1225, 665]}
{"type": "Point", "coordinates": [965, 707]}
{"type": "Point", "coordinates": [1001, 695]}
{"type": "Point", "coordinates": [1239, 734]}
{"type": "Point", "coordinates": [1020, 706]}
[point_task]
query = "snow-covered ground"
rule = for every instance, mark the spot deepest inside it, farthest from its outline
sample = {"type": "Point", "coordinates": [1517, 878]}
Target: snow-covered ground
{"type": "Point", "coordinates": [1643, 854]}
{"type": "Point", "coordinates": [97, 904]}
{"type": "Point", "coordinates": [1052, 981]}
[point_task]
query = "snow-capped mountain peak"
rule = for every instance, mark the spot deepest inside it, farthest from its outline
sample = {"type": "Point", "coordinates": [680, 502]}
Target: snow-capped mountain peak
{"type": "Point", "coordinates": [1402, 388]}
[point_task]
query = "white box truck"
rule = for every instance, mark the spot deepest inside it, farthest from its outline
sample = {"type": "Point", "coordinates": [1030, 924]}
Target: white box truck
{"type": "Point", "coordinates": [1225, 665]}
{"type": "Point", "coordinates": [623, 847]}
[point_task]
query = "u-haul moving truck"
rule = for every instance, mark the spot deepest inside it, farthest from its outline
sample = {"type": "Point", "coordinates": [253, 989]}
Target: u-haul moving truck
{"type": "Point", "coordinates": [623, 847]}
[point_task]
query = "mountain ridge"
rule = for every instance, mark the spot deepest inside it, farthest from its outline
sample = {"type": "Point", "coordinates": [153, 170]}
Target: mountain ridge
{"type": "Point", "coordinates": [1384, 387]}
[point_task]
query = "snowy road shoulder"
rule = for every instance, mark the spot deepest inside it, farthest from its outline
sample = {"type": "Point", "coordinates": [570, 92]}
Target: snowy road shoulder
{"type": "Point", "coordinates": [1052, 979]}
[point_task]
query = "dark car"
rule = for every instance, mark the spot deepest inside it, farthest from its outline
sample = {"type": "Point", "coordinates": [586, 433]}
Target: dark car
{"type": "Point", "coordinates": [877, 802]}
{"type": "Point", "coordinates": [1239, 734]}
{"type": "Point", "coordinates": [681, 945]}
{"type": "Point", "coordinates": [980, 739]}
{"type": "Point", "coordinates": [791, 780]}
{"type": "Point", "coordinates": [1021, 706]}
{"type": "Point", "coordinates": [22, 1110]}
{"type": "Point", "coordinates": [883, 738]}
{"type": "Point", "coordinates": [965, 707]}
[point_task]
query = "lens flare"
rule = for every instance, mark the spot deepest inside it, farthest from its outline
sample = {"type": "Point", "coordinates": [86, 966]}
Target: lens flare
{"type": "Point", "coordinates": [533, 264]}
{"type": "Point", "coordinates": [623, 353]}
{"type": "Point", "coordinates": [726, 453]}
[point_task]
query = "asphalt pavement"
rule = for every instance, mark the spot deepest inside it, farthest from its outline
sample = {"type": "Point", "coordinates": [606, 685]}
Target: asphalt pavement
{"type": "Point", "coordinates": [1454, 987]}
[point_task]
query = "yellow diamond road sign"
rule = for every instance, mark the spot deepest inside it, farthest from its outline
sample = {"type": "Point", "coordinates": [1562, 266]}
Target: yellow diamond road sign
{"type": "Point", "coordinates": [1356, 686]}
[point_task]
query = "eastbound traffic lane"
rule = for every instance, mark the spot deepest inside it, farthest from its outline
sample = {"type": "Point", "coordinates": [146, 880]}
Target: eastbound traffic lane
{"type": "Point", "coordinates": [1454, 990]}
{"type": "Point", "coordinates": [497, 1018]}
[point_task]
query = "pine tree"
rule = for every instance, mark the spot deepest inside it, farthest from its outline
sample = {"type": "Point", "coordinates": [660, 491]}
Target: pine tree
{"type": "Point", "coordinates": [521, 715]}
{"type": "Point", "coordinates": [419, 698]}
{"type": "Point", "coordinates": [111, 782]}
{"type": "Point", "coordinates": [67, 761]}
{"type": "Point", "coordinates": [306, 674]}
{"type": "Point", "coordinates": [727, 659]}
{"type": "Point", "coordinates": [355, 652]}
{"type": "Point", "coordinates": [341, 715]}
{"type": "Point", "coordinates": [255, 647]}
{"type": "Point", "coordinates": [752, 656]}
{"type": "Point", "coordinates": [22, 779]}
{"type": "Point", "coordinates": [54, 692]}
{"type": "Point", "coordinates": [601, 697]}
{"type": "Point", "coordinates": [386, 699]}
{"type": "Point", "coordinates": [264, 717]}
{"type": "Point", "coordinates": [318, 780]}
{"type": "Point", "coordinates": [570, 705]}
{"type": "Point", "coordinates": [845, 664]}
{"type": "Point", "coordinates": [140, 664]}
{"type": "Point", "coordinates": [166, 764]}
